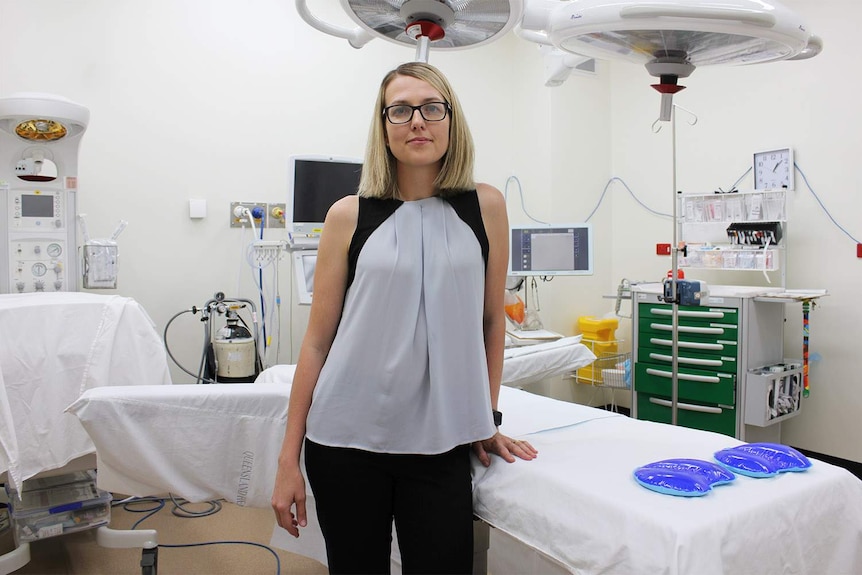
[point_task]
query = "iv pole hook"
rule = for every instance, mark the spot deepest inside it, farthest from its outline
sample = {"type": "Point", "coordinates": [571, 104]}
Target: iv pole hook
{"type": "Point", "coordinates": [692, 120]}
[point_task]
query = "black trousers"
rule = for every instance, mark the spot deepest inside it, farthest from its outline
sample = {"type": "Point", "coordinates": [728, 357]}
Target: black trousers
{"type": "Point", "coordinates": [359, 494]}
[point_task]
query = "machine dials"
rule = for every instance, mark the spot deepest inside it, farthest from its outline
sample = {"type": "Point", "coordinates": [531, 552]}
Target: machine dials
{"type": "Point", "coordinates": [39, 269]}
{"type": "Point", "coordinates": [54, 250]}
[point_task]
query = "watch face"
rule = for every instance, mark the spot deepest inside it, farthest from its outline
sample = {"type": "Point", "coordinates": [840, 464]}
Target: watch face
{"type": "Point", "coordinates": [773, 170]}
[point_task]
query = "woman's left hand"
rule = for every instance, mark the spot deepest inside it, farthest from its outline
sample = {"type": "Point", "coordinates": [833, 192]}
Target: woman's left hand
{"type": "Point", "coordinates": [505, 447]}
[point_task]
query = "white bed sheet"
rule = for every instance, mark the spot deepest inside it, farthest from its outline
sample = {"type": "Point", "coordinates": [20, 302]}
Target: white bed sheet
{"type": "Point", "coordinates": [587, 512]}
{"type": "Point", "coordinates": [200, 442]}
{"type": "Point", "coordinates": [577, 504]}
{"type": "Point", "coordinates": [528, 364]}
{"type": "Point", "coordinates": [53, 347]}
{"type": "Point", "coordinates": [521, 365]}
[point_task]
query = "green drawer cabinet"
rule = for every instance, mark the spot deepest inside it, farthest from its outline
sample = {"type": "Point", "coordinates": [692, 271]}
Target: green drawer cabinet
{"type": "Point", "coordinates": [716, 344]}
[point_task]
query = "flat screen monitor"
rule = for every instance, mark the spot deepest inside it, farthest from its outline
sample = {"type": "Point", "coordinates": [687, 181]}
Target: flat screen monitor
{"type": "Point", "coordinates": [314, 184]}
{"type": "Point", "coordinates": [559, 249]}
{"type": "Point", "coordinates": [304, 262]}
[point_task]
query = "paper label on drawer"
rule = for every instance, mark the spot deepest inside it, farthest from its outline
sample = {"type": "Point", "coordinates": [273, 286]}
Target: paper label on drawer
{"type": "Point", "coordinates": [50, 531]}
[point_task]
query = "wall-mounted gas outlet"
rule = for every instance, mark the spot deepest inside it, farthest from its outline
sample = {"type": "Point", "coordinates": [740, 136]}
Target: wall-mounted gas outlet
{"type": "Point", "coordinates": [257, 209]}
{"type": "Point", "coordinates": [275, 215]}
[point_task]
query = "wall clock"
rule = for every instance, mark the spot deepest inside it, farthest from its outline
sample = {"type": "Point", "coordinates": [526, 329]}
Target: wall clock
{"type": "Point", "coordinates": [773, 170]}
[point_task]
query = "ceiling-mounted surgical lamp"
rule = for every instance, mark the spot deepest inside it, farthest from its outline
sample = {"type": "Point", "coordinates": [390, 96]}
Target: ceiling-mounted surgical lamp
{"type": "Point", "coordinates": [671, 38]}
{"type": "Point", "coordinates": [423, 24]}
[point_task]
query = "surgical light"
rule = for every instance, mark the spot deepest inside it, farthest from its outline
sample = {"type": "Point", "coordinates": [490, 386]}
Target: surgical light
{"type": "Point", "coordinates": [423, 24]}
{"type": "Point", "coordinates": [671, 38]}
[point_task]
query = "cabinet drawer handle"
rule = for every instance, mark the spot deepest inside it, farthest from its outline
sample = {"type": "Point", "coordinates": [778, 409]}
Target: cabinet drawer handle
{"type": "Point", "coordinates": [688, 360]}
{"type": "Point", "coordinates": [684, 376]}
{"type": "Point", "coordinates": [684, 313]}
{"type": "Point", "coordinates": [689, 329]}
{"type": "Point", "coordinates": [686, 406]}
{"type": "Point", "coordinates": [688, 344]}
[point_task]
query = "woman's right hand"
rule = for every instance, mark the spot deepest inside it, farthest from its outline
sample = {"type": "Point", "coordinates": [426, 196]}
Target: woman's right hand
{"type": "Point", "coordinates": [289, 491]}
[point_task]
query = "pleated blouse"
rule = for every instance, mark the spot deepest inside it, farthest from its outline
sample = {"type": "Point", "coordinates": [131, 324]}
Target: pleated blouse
{"type": "Point", "coordinates": [407, 370]}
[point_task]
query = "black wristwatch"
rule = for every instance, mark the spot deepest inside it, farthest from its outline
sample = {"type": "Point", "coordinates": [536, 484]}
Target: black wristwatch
{"type": "Point", "coordinates": [498, 417]}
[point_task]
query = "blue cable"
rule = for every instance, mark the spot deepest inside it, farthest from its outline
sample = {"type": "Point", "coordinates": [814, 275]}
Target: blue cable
{"type": "Point", "coordinates": [733, 187]}
{"type": "Point", "coordinates": [521, 193]}
{"type": "Point", "coordinates": [813, 193]}
{"type": "Point", "coordinates": [605, 191]}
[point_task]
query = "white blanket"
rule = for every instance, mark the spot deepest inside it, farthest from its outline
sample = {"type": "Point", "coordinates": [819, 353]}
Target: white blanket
{"type": "Point", "coordinates": [53, 347]}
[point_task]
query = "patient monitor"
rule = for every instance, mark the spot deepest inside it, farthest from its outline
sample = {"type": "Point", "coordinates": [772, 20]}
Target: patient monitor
{"type": "Point", "coordinates": [549, 250]}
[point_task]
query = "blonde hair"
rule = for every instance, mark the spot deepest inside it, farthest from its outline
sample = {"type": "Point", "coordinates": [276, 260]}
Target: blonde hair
{"type": "Point", "coordinates": [378, 172]}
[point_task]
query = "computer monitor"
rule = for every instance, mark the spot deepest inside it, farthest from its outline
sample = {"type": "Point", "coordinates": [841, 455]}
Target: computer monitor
{"type": "Point", "coordinates": [314, 184]}
{"type": "Point", "coordinates": [558, 249]}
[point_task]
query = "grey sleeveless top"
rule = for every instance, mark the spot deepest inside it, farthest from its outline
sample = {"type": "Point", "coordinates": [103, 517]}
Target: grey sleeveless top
{"type": "Point", "coordinates": [407, 371]}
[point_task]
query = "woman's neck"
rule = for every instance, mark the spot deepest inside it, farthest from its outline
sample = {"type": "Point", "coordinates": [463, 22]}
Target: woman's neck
{"type": "Point", "coordinates": [416, 183]}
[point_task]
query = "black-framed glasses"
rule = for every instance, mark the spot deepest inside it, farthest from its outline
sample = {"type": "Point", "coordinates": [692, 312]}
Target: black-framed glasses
{"type": "Point", "coordinates": [403, 113]}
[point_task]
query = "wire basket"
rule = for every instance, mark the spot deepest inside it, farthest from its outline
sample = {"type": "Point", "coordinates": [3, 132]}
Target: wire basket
{"type": "Point", "coordinates": [611, 368]}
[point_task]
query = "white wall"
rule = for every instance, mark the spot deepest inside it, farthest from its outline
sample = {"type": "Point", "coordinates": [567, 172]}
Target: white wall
{"type": "Point", "coordinates": [809, 106]}
{"type": "Point", "coordinates": [208, 98]}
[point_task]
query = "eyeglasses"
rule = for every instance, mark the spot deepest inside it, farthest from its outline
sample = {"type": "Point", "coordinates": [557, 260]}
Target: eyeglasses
{"type": "Point", "coordinates": [403, 113]}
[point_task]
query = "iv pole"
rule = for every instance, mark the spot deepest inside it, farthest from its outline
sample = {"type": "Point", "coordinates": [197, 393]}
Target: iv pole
{"type": "Point", "coordinates": [674, 385]}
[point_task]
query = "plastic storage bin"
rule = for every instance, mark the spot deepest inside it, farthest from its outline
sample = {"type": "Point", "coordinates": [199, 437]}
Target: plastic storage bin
{"type": "Point", "coordinates": [56, 506]}
{"type": "Point", "coordinates": [598, 329]}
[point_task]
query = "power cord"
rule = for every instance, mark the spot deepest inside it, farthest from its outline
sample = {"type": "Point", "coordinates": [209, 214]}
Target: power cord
{"type": "Point", "coordinates": [180, 510]}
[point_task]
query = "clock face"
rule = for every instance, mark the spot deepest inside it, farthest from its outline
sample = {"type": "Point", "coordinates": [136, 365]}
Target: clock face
{"type": "Point", "coordinates": [773, 170]}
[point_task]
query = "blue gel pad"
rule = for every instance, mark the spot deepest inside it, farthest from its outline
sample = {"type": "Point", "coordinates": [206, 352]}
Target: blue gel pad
{"type": "Point", "coordinates": [762, 459]}
{"type": "Point", "coordinates": [682, 477]}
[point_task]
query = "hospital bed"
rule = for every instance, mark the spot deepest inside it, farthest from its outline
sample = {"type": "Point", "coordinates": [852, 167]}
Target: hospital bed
{"type": "Point", "coordinates": [53, 347]}
{"type": "Point", "coordinates": [575, 509]}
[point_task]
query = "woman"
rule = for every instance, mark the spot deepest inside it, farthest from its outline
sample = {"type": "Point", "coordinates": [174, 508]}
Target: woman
{"type": "Point", "coordinates": [399, 371]}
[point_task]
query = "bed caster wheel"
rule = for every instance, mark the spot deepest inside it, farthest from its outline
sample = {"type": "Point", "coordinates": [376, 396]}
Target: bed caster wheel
{"type": "Point", "coordinates": [150, 561]}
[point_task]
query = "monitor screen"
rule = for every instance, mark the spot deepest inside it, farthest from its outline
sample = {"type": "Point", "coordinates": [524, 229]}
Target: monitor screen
{"type": "Point", "coordinates": [304, 262]}
{"type": "Point", "coordinates": [314, 184]}
{"type": "Point", "coordinates": [559, 249]}
{"type": "Point", "coordinates": [33, 206]}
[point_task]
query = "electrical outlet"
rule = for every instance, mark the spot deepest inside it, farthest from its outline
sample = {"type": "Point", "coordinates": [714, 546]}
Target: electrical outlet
{"type": "Point", "coordinates": [241, 220]}
{"type": "Point", "coordinates": [275, 215]}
